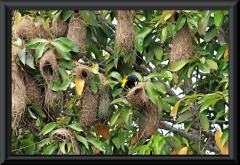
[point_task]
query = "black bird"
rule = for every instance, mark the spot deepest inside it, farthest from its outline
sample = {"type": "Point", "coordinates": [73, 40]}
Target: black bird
{"type": "Point", "coordinates": [129, 82]}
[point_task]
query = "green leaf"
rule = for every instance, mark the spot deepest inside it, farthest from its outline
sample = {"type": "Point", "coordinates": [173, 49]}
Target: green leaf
{"type": "Point", "coordinates": [155, 74]}
{"type": "Point", "coordinates": [220, 52]}
{"type": "Point", "coordinates": [63, 73]}
{"type": "Point", "coordinates": [174, 141]}
{"type": "Point", "coordinates": [139, 76]}
{"type": "Point", "coordinates": [164, 34]}
{"type": "Point", "coordinates": [158, 143]}
{"type": "Point", "coordinates": [192, 21]}
{"type": "Point", "coordinates": [66, 64]}
{"type": "Point", "coordinates": [158, 51]}
{"type": "Point", "coordinates": [115, 117]}
{"type": "Point", "coordinates": [138, 43]}
{"type": "Point", "coordinates": [18, 42]}
{"type": "Point", "coordinates": [186, 108]}
{"type": "Point", "coordinates": [212, 31]}
{"type": "Point", "coordinates": [58, 44]}
{"type": "Point", "coordinates": [189, 125]}
{"type": "Point", "coordinates": [180, 22]}
{"type": "Point", "coordinates": [179, 65]}
{"type": "Point", "coordinates": [102, 38]}
{"type": "Point", "coordinates": [93, 86]}
{"type": "Point", "coordinates": [149, 55]}
{"type": "Point", "coordinates": [22, 55]}
{"type": "Point", "coordinates": [30, 60]}
{"type": "Point", "coordinates": [89, 17]}
{"type": "Point", "coordinates": [160, 87]}
{"type": "Point", "coordinates": [204, 122]}
{"type": "Point", "coordinates": [56, 86]}
{"type": "Point", "coordinates": [28, 146]}
{"type": "Point", "coordinates": [82, 140]}
{"type": "Point", "coordinates": [145, 150]}
{"type": "Point", "coordinates": [207, 103]}
{"type": "Point", "coordinates": [38, 111]}
{"type": "Point", "coordinates": [116, 141]}
{"type": "Point", "coordinates": [62, 147]}
{"type": "Point", "coordinates": [190, 70]}
{"type": "Point", "coordinates": [107, 30]}
{"type": "Point", "coordinates": [218, 17]}
{"type": "Point", "coordinates": [49, 150]}
{"type": "Point", "coordinates": [43, 142]}
{"type": "Point", "coordinates": [40, 50]}
{"type": "Point", "coordinates": [183, 117]}
{"type": "Point", "coordinates": [207, 96]}
{"type": "Point", "coordinates": [48, 128]}
{"type": "Point", "coordinates": [203, 67]}
{"type": "Point", "coordinates": [212, 64]}
{"type": "Point", "coordinates": [143, 32]}
{"type": "Point", "coordinates": [204, 23]}
{"type": "Point", "coordinates": [120, 100]}
{"type": "Point", "coordinates": [98, 144]}
{"type": "Point", "coordinates": [35, 40]}
{"type": "Point", "coordinates": [151, 92]}
{"type": "Point", "coordinates": [75, 126]}
{"type": "Point", "coordinates": [66, 14]}
{"type": "Point", "coordinates": [116, 90]}
{"type": "Point", "coordinates": [126, 116]}
{"type": "Point", "coordinates": [55, 17]}
{"type": "Point", "coordinates": [69, 43]}
{"type": "Point", "coordinates": [224, 137]}
{"type": "Point", "coordinates": [116, 75]}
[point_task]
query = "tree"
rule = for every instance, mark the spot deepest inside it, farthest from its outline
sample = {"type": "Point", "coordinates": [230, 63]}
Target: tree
{"type": "Point", "coordinates": [67, 68]}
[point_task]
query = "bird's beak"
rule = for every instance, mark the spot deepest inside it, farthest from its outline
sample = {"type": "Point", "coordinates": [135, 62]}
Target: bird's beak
{"type": "Point", "coordinates": [135, 83]}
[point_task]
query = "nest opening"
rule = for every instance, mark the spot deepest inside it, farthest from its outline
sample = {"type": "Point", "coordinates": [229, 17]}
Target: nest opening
{"type": "Point", "coordinates": [84, 74]}
{"type": "Point", "coordinates": [47, 69]}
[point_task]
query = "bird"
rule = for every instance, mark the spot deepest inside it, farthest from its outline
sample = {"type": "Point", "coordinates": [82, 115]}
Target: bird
{"type": "Point", "coordinates": [129, 82]}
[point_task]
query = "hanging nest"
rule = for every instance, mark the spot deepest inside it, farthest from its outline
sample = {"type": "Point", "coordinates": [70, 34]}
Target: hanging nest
{"type": "Point", "coordinates": [19, 98]}
{"type": "Point", "coordinates": [67, 135]}
{"type": "Point", "coordinates": [59, 28]}
{"type": "Point", "coordinates": [25, 30]}
{"type": "Point", "coordinates": [104, 99]}
{"type": "Point", "coordinates": [34, 91]}
{"type": "Point", "coordinates": [53, 101]}
{"type": "Point", "coordinates": [42, 32]}
{"type": "Point", "coordinates": [77, 33]}
{"type": "Point", "coordinates": [139, 99]}
{"type": "Point", "coordinates": [125, 32]}
{"type": "Point", "coordinates": [175, 15]}
{"type": "Point", "coordinates": [181, 47]}
{"type": "Point", "coordinates": [88, 112]}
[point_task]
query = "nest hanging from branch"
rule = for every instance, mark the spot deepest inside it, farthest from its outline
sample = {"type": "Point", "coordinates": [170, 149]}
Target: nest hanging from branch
{"type": "Point", "coordinates": [19, 97]}
{"type": "Point", "coordinates": [137, 96]}
{"type": "Point", "coordinates": [53, 101]}
{"type": "Point", "coordinates": [59, 28]}
{"type": "Point", "coordinates": [125, 32]}
{"type": "Point", "coordinates": [42, 32]}
{"type": "Point", "coordinates": [77, 33]}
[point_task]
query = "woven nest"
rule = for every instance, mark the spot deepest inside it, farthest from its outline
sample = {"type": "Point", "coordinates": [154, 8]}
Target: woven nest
{"type": "Point", "coordinates": [125, 32]}
{"type": "Point", "coordinates": [41, 32]}
{"type": "Point", "coordinates": [88, 112]}
{"type": "Point", "coordinates": [104, 99]}
{"type": "Point", "coordinates": [175, 15]}
{"type": "Point", "coordinates": [59, 28]}
{"type": "Point", "coordinates": [34, 91]}
{"type": "Point", "coordinates": [25, 29]}
{"type": "Point", "coordinates": [53, 101]}
{"type": "Point", "coordinates": [139, 99]}
{"type": "Point", "coordinates": [19, 98]}
{"type": "Point", "coordinates": [181, 47]}
{"type": "Point", "coordinates": [77, 33]}
{"type": "Point", "coordinates": [67, 135]}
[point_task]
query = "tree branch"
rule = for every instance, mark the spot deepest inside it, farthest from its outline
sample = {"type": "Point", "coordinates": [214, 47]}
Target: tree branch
{"type": "Point", "coordinates": [107, 49]}
{"type": "Point", "coordinates": [104, 20]}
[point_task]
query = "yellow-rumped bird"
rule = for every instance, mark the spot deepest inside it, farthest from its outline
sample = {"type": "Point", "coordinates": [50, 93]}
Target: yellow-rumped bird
{"type": "Point", "coordinates": [129, 82]}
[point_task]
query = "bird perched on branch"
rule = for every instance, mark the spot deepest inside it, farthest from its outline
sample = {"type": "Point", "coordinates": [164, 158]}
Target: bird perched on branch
{"type": "Point", "coordinates": [129, 82]}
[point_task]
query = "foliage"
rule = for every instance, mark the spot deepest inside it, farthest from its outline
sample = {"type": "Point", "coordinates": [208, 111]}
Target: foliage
{"type": "Point", "coordinates": [204, 109]}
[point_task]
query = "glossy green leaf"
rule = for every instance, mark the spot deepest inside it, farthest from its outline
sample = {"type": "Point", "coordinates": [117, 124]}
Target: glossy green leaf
{"type": "Point", "coordinates": [63, 73]}
{"type": "Point", "coordinates": [207, 103]}
{"type": "Point", "coordinates": [98, 144]}
{"type": "Point", "coordinates": [120, 100]}
{"type": "Point", "coordinates": [36, 40]}
{"type": "Point", "coordinates": [164, 34]}
{"type": "Point", "coordinates": [48, 128]}
{"type": "Point", "coordinates": [179, 65]}
{"type": "Point", "coordinates": [56, 86]}
{"type": "Point", "coordinates": [93, 86]}
{"type": "Point", "coordinates": [56, 16]}
{"type": "Point", "coordinates": [82, 140]}
{"type": "Point", "coordinates": [116, 90]}
{"type": "Point", "coordinates": [49, 150]}
{"type": "Point", "coordinates": [221, 51]}
{"type": "Point", "coordinates": [204, 122]}
{"type": "Point", "coordinates": [22, 55]}
{"type": "Point", "coordinates": [155, 74]}
{"type": "Point", "coordinates": [203, 67]}
{"type": "Point", "coordinates": [158, 51]}
{"type": "Point", "coordinates": [138, 43]}
{"type": "Point", "coordinates": [116, 75]}
{"type": "Point", "coordinates": [211, 32]}
{"type": "Point", "coordinates": [212, 64]}
{"type": "Point", "coordinates": [62, 147]}
{"type": "Point", "coordinates": [204, 23]}
{"type": "Point", "coordinates": [159, 87]}
{"type": "Point", "coordinates": [174, 141]}
{"type": "Point", "coordinates": [18, 42]}
{"type": "Point", "coordinates": [58, 44]}
{"type": "Point", "coordinates": [107, 30]}
{"type": "Point", "coordinates": [102, 38]}
{"type": "Point", "coordinates": [126, 116]}
{"type": "Point", "coordinates": [149, 56]}
{"type": "Point", "coordinates": [180, 22]}
{"type": "Point", "coordinates": [69, 43]}
{"type": "Point", "coordinates": [218, 17]}
{"type": "Point", "coordinates": [66, 64]}
{"type": "Point", "coordinates": [43, 142]}
{"type": "Point", "coordinates": [116, 141]}
{"type": "Point", "coordinates": [66, 14]}
{"type": "Point", "coordinates": [28, 146]}
{"type": "Point", "coordinates": [115, 117]}
{"type": "Point", "coordinates": [38, 111]}
{"type": "Point", "coordinates": [75, 126]}
{"type": "Point", "coordinates": [89, 17]}
{"type": "Point", "coordinates": [192, 21]}
{"type": "Point", "coordinates": [143, 32]}
{"type": "Point", "coordinates": [40, 50]}
{"type": "Point", "coordinates": [183, 117]}
{"type": "Point", "coordinates": [190, 70]}
{"type": "Point", "coordinates": [145, 150]}
{"type": "Point", "coordinates": [151, 92]}
{"type": "Point", "coordinates": [206, 97]}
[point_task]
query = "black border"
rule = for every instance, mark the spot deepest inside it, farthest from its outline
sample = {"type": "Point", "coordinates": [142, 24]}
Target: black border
{"type": "Point", "coordinates": [5, 77]}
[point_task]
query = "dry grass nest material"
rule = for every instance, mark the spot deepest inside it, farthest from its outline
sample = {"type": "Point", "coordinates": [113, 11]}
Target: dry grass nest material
{"type": "Point", "coordinates": [125, 32]}
{"type": "Point", "coordinates": [67, 135]}
{"type": "Point", "coordinates": [59, 28]}
{"type": "Point", "coordinates": [77, 33]}
{"type": "Point", "coordinates": [137, 96]}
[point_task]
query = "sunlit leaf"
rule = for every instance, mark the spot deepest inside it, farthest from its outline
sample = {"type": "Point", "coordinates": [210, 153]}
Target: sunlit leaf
{"type": "Point", "coordinates": [206, 104]}
{"type": "Point", "coordinates": [120, 100]}
{"type": "Point", "coordinates": [94, 68]}
{"type": "Point", "coordinates": [183, 151]}
{"type": "Point", "coordinates": [79, 85]}
{"type": "Point", "coordinates": [180, 22]}
{"type": "Point", "coordinates": [62, 147]}
{"type": "Point", "coordinates": [49, 150]}
{"type": "Point", "coordinates": [151, 92]}
{"type": "Point", "coordinates": [164, 34]}
{"type": "Point", "coordinates": [212, 64]}
{"type": "Point", "coordinates": [179, 65]}
{"type": "Point", "coordinates": [218, 135]}
{"type": "Point", "coordinates": [143, 32]}
{"type": "Point", "coordinates": [63, 73]}
{"type": "Point", "coordinates": [82, 140]}
{"type": "Point", "coordinates": [38, 111]}
{"type": "Point", "coordinates": [183, 117]}
{"type": "Point", "coordinates": [204, 122]}
{"type": "Point", "coordinates": [98, 144]}
{"type": "Point", "coordinates": [76, 126]}
{"type": "Point", "coordinates": [40, 50]}
{"type": "Point", "coordinates": [158, 51]}
{"type": "Point", "coordinates": [66, 14]}
{"type": "Point", "coordinates": [115, 117]}
{"type": "Point", "coordinates": [17, 18]}
{"type": "Point", "coordinates": [138, 43]}
{"type": "Point", "coordinates": [89, 17]}
{"type": "Point", "coordinates": [116, 75]}
{"type": "Point", "coordinates": [203, 24]}
{"type": "Point", "coordinates": [159, 87]}
{"type": "Point", "coordinates": [175, 109]}
{"type": "Point", "coordinates": [48, 128]}
{"type": "Point", "coordinates": [218, 17]}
